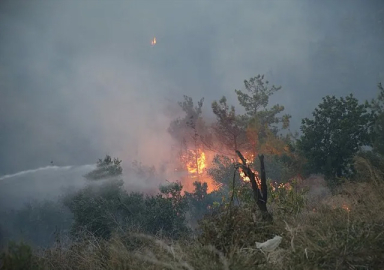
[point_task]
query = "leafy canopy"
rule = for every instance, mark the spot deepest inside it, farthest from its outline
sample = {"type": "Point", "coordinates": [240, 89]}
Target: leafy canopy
{"type": "Point", "coordinates": [256, 99]}
{"type": "Point", "coordinates": [105, 168]}
{"type": "Point", "coordinates": [338, 129]}
{"type": "Point", "coordinates": [378, 128]}
{"type": "Point", "coordinates": [229, 127]}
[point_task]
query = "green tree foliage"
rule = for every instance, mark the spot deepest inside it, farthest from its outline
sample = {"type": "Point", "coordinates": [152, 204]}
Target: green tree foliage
{"type": "Point", "coordinates": [338, 129]}
{"type": "Point", "coordinates": [200, 201]}
{"type": "Point", "coordinates": [184, 130]}
{"type": "Point", "coordinates": [377, 106]}
{"type": "Point", "coordinates": [229, 128]}
{"type": "Point", "coordinates": [96, 209]}
{"type": "Point", "coordinates": [256, 100]}
{"type": "Point", "coordinates": [19, 256]}
{"type": "Point", "coordinates": [221, 170]}
{"type": "Point", "coordinates": [106, 168]}
{"type": "Point", "coordinates": [257, 130]}
{"type": "Point", "coordinates": [166, 211]}
{"type": "Point", "coordinates": [190, 132]}
{"type": "Point", "coordinates": [103, 209]}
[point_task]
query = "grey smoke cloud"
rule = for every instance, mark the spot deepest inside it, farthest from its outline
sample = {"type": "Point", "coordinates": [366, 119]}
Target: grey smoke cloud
{"type": "Point", "coordinates": [79, 79]}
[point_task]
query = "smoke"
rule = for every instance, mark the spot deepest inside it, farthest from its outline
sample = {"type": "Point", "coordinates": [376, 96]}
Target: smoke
{"type": "Point", "coordinates": [80, 79]}
{"type": "Point", "coordinates": [55, 168]}
{"type": "Point", "coordinates": [46, 183]}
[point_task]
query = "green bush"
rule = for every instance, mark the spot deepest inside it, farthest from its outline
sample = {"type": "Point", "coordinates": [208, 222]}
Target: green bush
{"type": "Point", "coordinates": [200, 202]}
{"type": "Point", "coordinates": [101, 210]}
{"type": "Point", "coordinates": [95, 209]}
{"type": "Point", "coordinates": [105, 168]}
{"type": "Point", "coordinates": [19, 256]}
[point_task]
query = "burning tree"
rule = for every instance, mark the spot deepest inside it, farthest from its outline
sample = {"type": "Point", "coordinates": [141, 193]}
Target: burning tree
{"type": "Point", "coordinates": [255, 131]}
{"type": "Point", "coordinates": [229, 128]}
{"type": "Point", "coordinates": [195, 162]}
{"type": "Point", "coordinates": [262, 122]}
{"type": "Point", "coordinates": [186, 130]}
{"type": "Point", "coordinates": [188, 133]}
{"type": "Point", "coordinates": [259, 184]}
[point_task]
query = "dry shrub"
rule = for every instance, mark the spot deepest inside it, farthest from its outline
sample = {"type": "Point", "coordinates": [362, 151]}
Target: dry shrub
{"type": "Point", "coordinates": [134, 251]}
{"type": "Point", "coordinates": [344, 231]}
{"type": "Point", "coordinates": [236, 228]}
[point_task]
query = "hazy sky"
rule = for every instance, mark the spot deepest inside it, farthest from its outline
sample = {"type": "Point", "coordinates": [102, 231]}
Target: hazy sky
{"type": "Point", "coordinates": [79, 79]}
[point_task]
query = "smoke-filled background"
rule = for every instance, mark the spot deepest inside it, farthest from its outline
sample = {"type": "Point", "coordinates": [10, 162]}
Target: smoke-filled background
{"type": "Point", "coordinates": [79, 79]}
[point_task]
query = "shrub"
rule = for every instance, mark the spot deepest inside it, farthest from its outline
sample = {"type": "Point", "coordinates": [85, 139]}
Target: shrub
{"type": "Point", "coordinates": [100, 210]}
{"type": "Point", "coordinates": [287, 197]}
{"type": "Point", "coordinates": [95, 209]}
{"type": "Point", "coordinates": [105, 168]}
{"type": "Point", "coordinates": [18, 256]}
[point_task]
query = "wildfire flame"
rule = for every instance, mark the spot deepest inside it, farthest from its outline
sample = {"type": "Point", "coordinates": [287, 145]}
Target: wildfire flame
{"type": "Point", "coordinates": [345, 207]}
{"type": "Point", "coordinates": [249, 158]}
{"type": "Point", "coordinates": [153, 41]}
{"type": "Point", "coordinates": [246, 178]}
{"type": "Point", "coordinates": [195, 163]}
{"type": "Point", "coordinates": [196, 166]}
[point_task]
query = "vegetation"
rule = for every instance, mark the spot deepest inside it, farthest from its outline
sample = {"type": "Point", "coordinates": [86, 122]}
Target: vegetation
{"type": "Point", "coordinates": [109, 227]}
{"type": "Point", "coordinates": [105, 168]}
{"type": "Point", "coordinates": [339, 128]}
{"type": "Point", "coordinates": [377, 137]}
{"type": "Point", "coordinates": [342, 232]}
{"type": "Point", "coordinates": [255, 103]}
{"type": "Point", "coordinates": [101, 210]}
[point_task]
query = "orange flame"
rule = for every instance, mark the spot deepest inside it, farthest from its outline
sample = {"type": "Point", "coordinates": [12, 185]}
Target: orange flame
{"type": "Point", "coordinates": [153, 41]}
{"type": "Point", "coordinates": [345, 207]}
{"type": "Point", "coordinates": [195, 163]}
{"type": "Point", "coordinates": [246, 178]}
{"type": "Point", "coordinates": [248, 158]}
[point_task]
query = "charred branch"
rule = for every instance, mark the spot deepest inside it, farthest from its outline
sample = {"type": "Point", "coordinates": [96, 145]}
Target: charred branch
{"type": "Point", "coordinates": [259, 185]}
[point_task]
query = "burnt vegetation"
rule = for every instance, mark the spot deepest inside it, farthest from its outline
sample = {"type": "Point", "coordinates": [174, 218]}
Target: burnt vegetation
{"type": "Point", "coordinates": [262, 181]}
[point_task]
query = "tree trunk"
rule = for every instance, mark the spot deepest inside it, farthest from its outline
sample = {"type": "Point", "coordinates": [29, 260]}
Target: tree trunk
{"type": "Point", "coordinates": [262, 200]}
{"type": "Point", "coordinates": [260, 195]}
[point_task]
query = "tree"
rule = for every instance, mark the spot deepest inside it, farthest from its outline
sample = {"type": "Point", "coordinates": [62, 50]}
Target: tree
{"type": "Point", "coordinates": [106, 168]}
{"type": "Point", "coordinates": [95, 209]}
{"type": "Point", "coordinates": [107, 208]}
{"type": "Point", "coordinates": [335, 134]}
{"type": "Point", "coordinates": [221, 170]}
{"type": "Point", "coordinates": [185, 129]}
{"type": "Point", "coordinates": [259, 184]}
{"type": "Point", "coordinates": [189, 130]}
{"type": "Point", "coordinates": [263, 123]}
{"type": "Point", "coordinates": [255, 103]}
{"type": "Point", "coordinates": [200, 201]}
{"type": "Point", "coordinates": [377, 106]}
{"type": "Point", "coordinates": [229, 128]}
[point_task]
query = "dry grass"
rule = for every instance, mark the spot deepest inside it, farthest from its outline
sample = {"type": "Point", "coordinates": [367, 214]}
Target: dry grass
{"type": "Point", "coordinates": [343, 231]}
